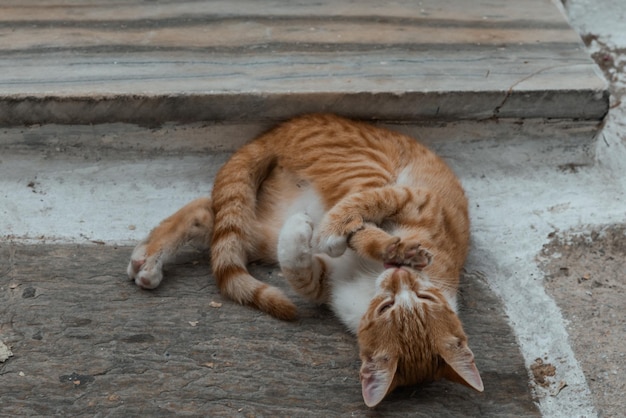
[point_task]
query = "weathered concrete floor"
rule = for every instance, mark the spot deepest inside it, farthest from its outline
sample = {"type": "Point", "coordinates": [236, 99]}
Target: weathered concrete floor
{"type": "Point", "coordinates": [86, 341]}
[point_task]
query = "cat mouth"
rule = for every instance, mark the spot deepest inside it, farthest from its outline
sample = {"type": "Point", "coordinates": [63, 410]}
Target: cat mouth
{"type": "Point", "coordinates": [394, 265]}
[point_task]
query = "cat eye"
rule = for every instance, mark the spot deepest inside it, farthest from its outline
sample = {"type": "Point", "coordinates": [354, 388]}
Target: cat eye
{"type": "Point", "coordinates": [385, 306]}
{"type": "Point", "coordinates": [426, 296]}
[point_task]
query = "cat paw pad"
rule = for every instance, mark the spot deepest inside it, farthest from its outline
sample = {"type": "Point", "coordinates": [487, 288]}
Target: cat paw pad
{"type": "Point", "coordinates": [145, 270]}
{"type": "Point", "coordinates": [411, 254]}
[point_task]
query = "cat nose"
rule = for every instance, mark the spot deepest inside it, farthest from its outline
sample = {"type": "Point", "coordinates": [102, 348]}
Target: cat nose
{"type": "Point", "coordinates": [401, 279]}
{"type": "Point", "coordinates": [397, 279]}
{"type": "Point", "coordinates": [402, 275]}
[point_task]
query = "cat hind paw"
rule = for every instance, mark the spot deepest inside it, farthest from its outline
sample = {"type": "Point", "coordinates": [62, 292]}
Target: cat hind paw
{"type": "Point", "coordinates": [145, 270]}
{"type": "Point", "coordinates": [294, 242]}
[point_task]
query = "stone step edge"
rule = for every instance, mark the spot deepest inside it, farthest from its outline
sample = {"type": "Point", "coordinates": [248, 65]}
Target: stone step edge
{"type": "Point", "coordinates": [587, 104]}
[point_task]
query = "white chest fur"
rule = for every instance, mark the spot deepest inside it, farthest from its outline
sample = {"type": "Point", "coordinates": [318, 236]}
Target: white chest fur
{"type": "Point", "coordinates": [353, 287]}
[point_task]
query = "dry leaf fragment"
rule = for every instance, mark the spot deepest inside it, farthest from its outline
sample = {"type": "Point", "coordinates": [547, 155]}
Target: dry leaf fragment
{"type": "Point", "coordinates": [542, 371]}
{"type": "Point", "coordinates": [5, 352]}
{"type": "Point", "coordinates": [214, 304]}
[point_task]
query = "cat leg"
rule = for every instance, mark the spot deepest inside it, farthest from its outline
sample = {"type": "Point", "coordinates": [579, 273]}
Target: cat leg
{"type": "Point", "coordinates": [372, 242]}
{"type": "Point", "coordinates": [374, 206]}
{"type": "Point", "coordinates": [306, 272]}
{"type": "Point", "coordinates": [193, 223]}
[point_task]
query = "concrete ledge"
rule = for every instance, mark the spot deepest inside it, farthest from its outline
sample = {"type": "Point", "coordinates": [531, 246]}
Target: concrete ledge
{"type": "Point", "coordinates": [114, 176]}
{"type": "Point", "coordinates": [410, 106]}
{"type": "Point", "coordinates": [264, 61]}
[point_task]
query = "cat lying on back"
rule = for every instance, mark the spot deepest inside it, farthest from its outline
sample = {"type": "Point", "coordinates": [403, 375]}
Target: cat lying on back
{"type": "Point", "coordinates": [366, 220]}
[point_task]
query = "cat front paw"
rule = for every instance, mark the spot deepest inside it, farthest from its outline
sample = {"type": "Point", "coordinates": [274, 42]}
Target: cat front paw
{"type": "Point", "coordinates": [333, 245]}
{"type": "Point", "coordinates": [402, 253]}
{"type": "Point", "coordinates": [146, 270]}
{"type": "Point", "coordinates": [294, 242]}
{"type": "Point", "coordinates": [333, 235]}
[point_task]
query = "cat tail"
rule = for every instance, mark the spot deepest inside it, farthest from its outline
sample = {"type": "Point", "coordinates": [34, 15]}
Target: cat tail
{"type": "Point", "coordinates": [234, 203]}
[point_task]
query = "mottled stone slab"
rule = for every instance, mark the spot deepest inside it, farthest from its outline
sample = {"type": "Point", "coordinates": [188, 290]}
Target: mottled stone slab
{"type": "Point", "coordinates": [86, 341]}
{"type": "Point", "coordinates": [586, 275]}
{"type": "Point", "coordinates": [66, 61]}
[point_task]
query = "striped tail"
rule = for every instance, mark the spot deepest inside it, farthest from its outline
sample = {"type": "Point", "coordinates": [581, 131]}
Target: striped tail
{"type": "Point", "coordinates": [234, 200]}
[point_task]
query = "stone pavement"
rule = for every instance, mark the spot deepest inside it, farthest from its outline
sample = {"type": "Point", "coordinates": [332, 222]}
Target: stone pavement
{"type": "Point", "coordinates": [88, 342]}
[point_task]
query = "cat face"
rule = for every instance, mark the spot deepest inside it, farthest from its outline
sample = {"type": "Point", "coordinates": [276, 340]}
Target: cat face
{"type": "Point", "coordinates": [411, 335]}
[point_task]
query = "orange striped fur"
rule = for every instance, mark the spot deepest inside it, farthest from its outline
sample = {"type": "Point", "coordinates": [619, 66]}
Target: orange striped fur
{"type": "Point", "coordinates": [361, 218]}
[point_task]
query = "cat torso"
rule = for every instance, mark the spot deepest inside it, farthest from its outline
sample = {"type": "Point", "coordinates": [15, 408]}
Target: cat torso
{"type": "Point", "coordinates": [317, 168]}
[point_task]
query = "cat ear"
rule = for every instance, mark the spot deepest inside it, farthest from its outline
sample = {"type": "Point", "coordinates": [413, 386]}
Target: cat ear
{"type": "Point", "coordinates": [460, 366]}
{"type": "Point", "coordinates": [376, 378]}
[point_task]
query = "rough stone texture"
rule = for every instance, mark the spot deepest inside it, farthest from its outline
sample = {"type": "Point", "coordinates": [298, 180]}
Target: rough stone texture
{"type": "Point", "coordinates": [86, 341]}
{"type": "Point", "coordinates": [586, 274]}
{"type": "Point", "coordinates": [158, 61]}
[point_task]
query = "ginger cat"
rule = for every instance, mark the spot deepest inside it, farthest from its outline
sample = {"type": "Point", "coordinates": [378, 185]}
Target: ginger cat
{"type": "Point", "coordinates": [364, 219]}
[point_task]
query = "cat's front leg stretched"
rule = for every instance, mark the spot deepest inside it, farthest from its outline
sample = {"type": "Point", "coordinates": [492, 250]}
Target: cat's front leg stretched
{"type": "Point", "coordinates": [393, 251]}
{"type": "Point", "coordinates": [351, 214]}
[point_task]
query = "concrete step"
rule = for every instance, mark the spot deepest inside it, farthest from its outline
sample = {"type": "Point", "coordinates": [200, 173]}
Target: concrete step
{"type": "Point", "coordinates": [153, 62]}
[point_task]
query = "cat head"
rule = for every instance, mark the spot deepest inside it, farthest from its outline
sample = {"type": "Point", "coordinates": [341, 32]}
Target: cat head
{"type": "Point", "coordinates": [411, 335]}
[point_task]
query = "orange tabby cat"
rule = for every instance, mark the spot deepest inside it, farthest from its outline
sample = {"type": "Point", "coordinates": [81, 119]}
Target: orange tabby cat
{"type": "Point", "coordinates": [364, 219]}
